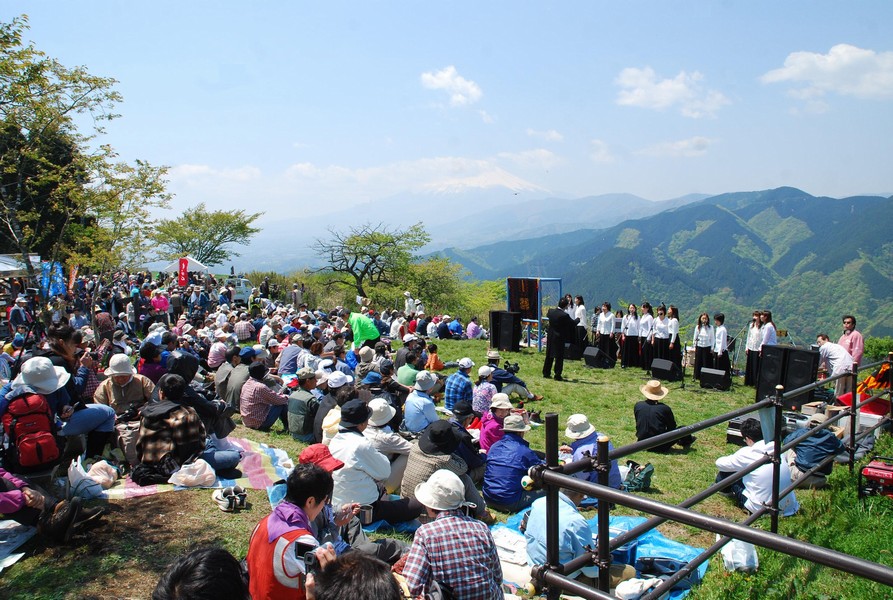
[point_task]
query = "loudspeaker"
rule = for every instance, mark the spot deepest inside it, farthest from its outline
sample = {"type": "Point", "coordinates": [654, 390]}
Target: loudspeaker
{"type": "Point", "coordinates": [597, 359]}
{"type": "Point", "coordinates": [572, 352]}
{"type": "Point", "coordinates": [665, 369]}
{"type": "Point", "coordinates": [801, 367]}
{"type": "Point", "coordinates": [715, 379]}
{"type": "Point", "coordinates": [505, 330]}
{"type": "Point", "coordinates": [771, 371]}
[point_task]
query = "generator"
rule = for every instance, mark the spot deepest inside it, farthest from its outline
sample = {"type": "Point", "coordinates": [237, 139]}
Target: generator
{"type": "Point", "coordinates": [876, 478]}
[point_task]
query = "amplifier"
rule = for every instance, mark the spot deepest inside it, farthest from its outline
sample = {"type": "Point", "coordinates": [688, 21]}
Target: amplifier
{"type": "Point", "coordinates": [792, 422]}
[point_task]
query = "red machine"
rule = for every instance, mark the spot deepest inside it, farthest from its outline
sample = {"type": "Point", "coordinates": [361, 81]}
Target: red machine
{"type": "Point", "coordinates": [876, 478]}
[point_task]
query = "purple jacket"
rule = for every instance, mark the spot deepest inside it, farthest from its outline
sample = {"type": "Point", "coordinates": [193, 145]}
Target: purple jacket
{"type": "Point", "coordinates": [12, 501]}
{"type": "Point", "coordinates": [491, 430]}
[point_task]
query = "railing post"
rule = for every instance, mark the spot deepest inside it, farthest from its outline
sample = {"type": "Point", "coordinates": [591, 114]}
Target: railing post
{"type": "Point", "coordinates": [552, 544]}
{"type": "Point", "coordinates": [776, 456]}
{"type": "Point", "coordinates": [854, 415]}
{"type": "Point", "coordinates": [890, 391]}
{"type": "Point", "coordinates": [604, 516]}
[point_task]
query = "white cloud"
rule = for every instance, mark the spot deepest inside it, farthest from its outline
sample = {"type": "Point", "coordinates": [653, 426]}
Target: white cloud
{"type": "Point", "coordinates": [485, 116]}
{"type": "Point", "coordinates": [846, 70]}
{"type": "Point", "coordinates": [462, 92]}
{"type": "Point", "coordinates": [549, 135]}
{"type": "Point", "coordinates": [643, 88]}
{"type": "Point", "coordinates": [540, 158]}
{"type": "Point", "coordinates": [695, 146]}
{"type": "Point", "coordinates": [600, 152]}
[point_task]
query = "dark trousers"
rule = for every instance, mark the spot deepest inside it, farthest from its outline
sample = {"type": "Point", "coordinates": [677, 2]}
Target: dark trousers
{"type": "Point", "coordinates": [736, 490]}
{"type": "Point", "coordinates": [396, 511]}
{"type": "Point", "coordinates": [554, 352]}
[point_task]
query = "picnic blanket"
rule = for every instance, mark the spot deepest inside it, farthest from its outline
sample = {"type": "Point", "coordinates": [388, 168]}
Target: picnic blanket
{"type": "Point", "coordinates": [261, 466]}
{"type": "Point", "coordinates": [13, 535]}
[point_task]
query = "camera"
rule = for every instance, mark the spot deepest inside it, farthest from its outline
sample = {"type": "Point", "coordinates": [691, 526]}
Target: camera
{"type": "Point", "coordinates": [511, 368]}
{"type": "Point", "coordinates": [307, 553]}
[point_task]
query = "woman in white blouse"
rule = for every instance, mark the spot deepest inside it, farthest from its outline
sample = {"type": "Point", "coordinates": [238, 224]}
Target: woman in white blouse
{"type": "Point", "coordinates": [605, 329]}
{"type": "Point", "coordinates": [752, 350]}
{"type": "Point", "coordinates": [768, 336]}
{"type": "Point", "coordinates": [629, 338]}
{"type": "Point", "coordinates": [645, 323]}
{"type": "Point", "coordinates": [673, 329]}
{"type": "Point", "coordinates": [660, 334]}
{"type": "Point", "coordinates": [703, 341]}
{"type": "Point", "coordinates": [721, 345]}
{"type": "Point", "coordinates": [582, 321]}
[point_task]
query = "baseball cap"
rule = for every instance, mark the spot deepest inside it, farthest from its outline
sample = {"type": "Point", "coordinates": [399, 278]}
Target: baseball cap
{"type": "Point", "coordinates": [319, 454]}
{"type": "Point", "coordinates": [465, 363]}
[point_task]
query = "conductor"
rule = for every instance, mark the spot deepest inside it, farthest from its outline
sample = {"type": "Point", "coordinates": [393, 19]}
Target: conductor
{"type": "Point", "coordinates": [562, 329]}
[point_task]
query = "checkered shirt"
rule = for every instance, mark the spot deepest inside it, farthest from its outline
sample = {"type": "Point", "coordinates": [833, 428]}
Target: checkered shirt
{"type": "Point", "coordinates": [457, 551]}
{"type": "Point", "coordinates": [255, 401]}
{"type": "Point", "coordinates": [244, 330]}
{"type": "Point", "coordinates": [458, 387]}
{"type": "Point", "coordinates": [179, 432]}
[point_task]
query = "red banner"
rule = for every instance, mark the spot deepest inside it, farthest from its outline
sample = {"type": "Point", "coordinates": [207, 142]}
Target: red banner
{"type": "Point", "coordinates": [72, 276]}
{"type": "Point", "coordinates": [184, 272]}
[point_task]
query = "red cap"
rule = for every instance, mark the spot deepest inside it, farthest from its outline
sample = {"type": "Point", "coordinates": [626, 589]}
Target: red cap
{"type": "Point", "coordinates": [319, 454]}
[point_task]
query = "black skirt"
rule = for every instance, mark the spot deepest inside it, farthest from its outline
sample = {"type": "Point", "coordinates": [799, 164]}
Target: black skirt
{"type": "Point", "coordinates": [630, 355]}
{"type": "Point", "coordinates": [703, 358]}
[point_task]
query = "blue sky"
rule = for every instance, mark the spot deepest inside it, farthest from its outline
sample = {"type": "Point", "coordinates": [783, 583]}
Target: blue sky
{"type": "Point", "coordinates": [297, 108]}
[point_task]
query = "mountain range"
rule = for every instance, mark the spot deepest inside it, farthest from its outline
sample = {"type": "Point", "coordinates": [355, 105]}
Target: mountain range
{"type": "Point", "coordinates": [808, 259]}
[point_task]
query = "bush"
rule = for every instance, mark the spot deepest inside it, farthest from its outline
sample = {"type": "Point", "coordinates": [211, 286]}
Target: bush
{"type": "Point", "coordinates": [877, 348]}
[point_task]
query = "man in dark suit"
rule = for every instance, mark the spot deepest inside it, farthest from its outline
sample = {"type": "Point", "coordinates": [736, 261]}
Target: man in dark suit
{"type": "Point", "coordinates": [562, 328]}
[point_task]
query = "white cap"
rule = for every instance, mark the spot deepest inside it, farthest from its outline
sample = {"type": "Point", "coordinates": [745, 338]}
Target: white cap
{"type": "Point", "coordinates": [409, 338]}
{"type": "Point", "coordinates": [578, 427]}
{"type": "Point", "coordinates": [515, 423]}
{"type": "Point", "coordinates": [40, 374]}
{"type": "Point", "coordinates": [382, 412]}
{"type": "Point", "coordinates": [485, 371]}
{"type": "Point", "coordinates": [500, 400]}
{"type": "Point", "coordinates": [443, 491]}
{"type": "Point", "coordinates": [465, 363]}
{"type": "Point", "coordinates": [337, 379]}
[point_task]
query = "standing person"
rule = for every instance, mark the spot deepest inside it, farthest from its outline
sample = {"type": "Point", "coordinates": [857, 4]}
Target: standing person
{"type": "Point", "coordinates": [838, 361]}
{"type": "Point", "coordinates": [721, 345]}
{"type": "Point", "coordinates": [660, 334]}
{"type": "Point", "coordinates": [768, 334]}
{"type": "Point", "coordinates": [752, 350]}
{"type": "Point", "coordinates": [629, 338]}
{"type": "Point", "coordinates": [604, 330]}
{"type": "Point", "coordinates": [646, 321]}
{"type": "Point", "coordinates": [582, 319]}
{"type": "Point", "coordinates": [561, 330]}
{"type": "Point", "coordinates": [704, 339]}
{"type": "Point", "coordinates": [851, 340]}
{"type": "Point", "coordinates": [454, 551]}
{"type": "Point", "coordinates": [675, 345]}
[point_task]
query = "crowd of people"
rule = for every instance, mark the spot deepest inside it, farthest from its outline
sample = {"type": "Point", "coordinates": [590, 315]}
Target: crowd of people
{"type": "Point", "coordinates": [378, 450]}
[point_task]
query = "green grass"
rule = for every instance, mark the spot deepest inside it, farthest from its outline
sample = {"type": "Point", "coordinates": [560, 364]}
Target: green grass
{"type": "Point", "coordinates": [125, 557]}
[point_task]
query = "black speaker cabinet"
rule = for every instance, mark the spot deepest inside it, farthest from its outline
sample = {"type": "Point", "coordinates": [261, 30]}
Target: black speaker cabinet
{"type": "Point", "coordinates": [595, 358]}
{"type": "Point", "coordinates": [572, 352]}
{"type": "Point", "coordinates": [665, 369]}
{"type": "Point", "coordinates": [801, 367]}
{"type": "Point", "coordinates": [715, 379]}
{"type": "Point", "coordinates": [771, 371]}
{"type": "Point", "coordinates": [505, 330]}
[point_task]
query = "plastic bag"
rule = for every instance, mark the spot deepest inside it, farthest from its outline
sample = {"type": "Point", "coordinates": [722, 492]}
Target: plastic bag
{"type": "Point", "coordinates": [103, 473]}
{"type": "Point", "coordinates": [81, 484]}
{"type": "Point", "coordinates": [740, 556]}
{"type": "Point", "coordinates": [632, 589]}
{"type": "Point", "coordinates": [195, 474]}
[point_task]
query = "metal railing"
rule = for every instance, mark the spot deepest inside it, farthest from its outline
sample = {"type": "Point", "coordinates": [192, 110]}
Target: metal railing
{"type": "Point", "coordinates": [554, 475]}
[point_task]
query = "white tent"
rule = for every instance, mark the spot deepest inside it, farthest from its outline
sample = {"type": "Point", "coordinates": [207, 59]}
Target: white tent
{"type": "Point", "coordinates": [194, 265]}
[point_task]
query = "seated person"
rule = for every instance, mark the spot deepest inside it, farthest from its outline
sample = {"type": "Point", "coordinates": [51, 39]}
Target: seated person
{"type": "Point", "coordinates": [454, 550]}
{"type": "Point", "coordinates": [414, 365]}
{"type": "Point", "coordinates": [260, 406]}
{"type": "Point", "coordinates": [385, 440]}
{"type": "Point", "coordinates": [364, 469]}
{"type": "Point", "coordinates": [585, 439]}
{"type": "Point", "coordinates": [755, 490]}
{"type": "Point", "coordinates": [275, 565]}
{"type": "Point", "coordinates": [433, 363]}
{"type": "Point", "coordinates": [150, 363]}
{"type": "Point", "coordinates": [463, 416]}
{"type": "Point", "coordinates": [205, 573]}
{"type": "Point", "coordinates": [507, 382]}
{"type": "Point", "coordinates": [811, 451]}
{"type": "Point", "coordinates": [491, 422]}
{"type": "Point", "coordinates": [458, 385]}
{"type": "Point", "coordinates": [301, 402]}
{"type": "Point", "coordinates": [574, 536]}
{"type": "Point", "coordinates": [225, 370]}
{"type": "Point", "coordinates": [418, 412]}
{"type": "Point", "coordinates": [508, 461]}
{"type": "Point", "coordinates": [434, 452]}
{"type": "Point", "coordinates": [341, 528]}
{"type": "Point", "coordinates": [126, 392]}
{"type": "Point", "coordinates": [484, 390]}
{"type": "Point", "coordinates": [653, 417]}
{"type": "Point", "coordinates": [341, 578]}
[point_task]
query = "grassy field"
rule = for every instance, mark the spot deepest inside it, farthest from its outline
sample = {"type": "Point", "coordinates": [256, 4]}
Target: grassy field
{"type": "Point", "coordinates": [124, 558]}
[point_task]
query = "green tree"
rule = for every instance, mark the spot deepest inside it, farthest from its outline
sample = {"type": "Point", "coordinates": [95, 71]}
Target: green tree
{"type": "Point", "coordinates": [370, 256]}
{"type": "Point", "coordinates": [55, 182]}
{"type": "Point", "coordinates": [204, 235]}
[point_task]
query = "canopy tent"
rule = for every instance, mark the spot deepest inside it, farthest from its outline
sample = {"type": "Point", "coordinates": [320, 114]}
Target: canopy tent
{"type": "Point", "coordinates": [12, 265]}
{"type": "Point", "coordinates": [194, 265]}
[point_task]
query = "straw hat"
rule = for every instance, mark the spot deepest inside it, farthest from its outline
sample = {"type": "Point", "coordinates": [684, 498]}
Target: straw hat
{"type": "Point", "coordinates": [443, 491]}
{"type": "Point", "coordinates": [653, 390]}
{"type": "Point", "coordinates": [578, 427]}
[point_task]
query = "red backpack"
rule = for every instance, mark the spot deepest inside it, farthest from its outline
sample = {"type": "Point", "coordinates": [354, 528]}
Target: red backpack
{"type": "Point", "coordinates": [29, 425]}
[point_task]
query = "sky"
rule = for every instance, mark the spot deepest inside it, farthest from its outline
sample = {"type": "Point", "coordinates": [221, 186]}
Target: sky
{"type": "Point", "coordinates": [298, 108]}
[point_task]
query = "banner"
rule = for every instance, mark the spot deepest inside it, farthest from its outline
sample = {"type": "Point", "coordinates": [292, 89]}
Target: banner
{"type": "Point", "coordinates": [72, 276]}
{"type": "Point", "coordinates": [183, 279]}
{"type": "Point", "coordinates": [523, 297]}
{"type": "Point", "coordinates": [52, 280]}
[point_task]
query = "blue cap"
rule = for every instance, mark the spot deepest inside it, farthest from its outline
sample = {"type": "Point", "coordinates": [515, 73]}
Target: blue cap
{"type": "Point", "coordinates": [371, 378]}
{"type": "Point", "coordinates": [247, 352]}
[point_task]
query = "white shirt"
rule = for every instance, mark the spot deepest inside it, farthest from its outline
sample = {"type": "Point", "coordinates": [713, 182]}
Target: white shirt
{"type": "Point", "coordinates": [758, 484]}
{"type": "Point", "coordinates": [660, 328]}
{"type": "Point", "coordinates": [722, 340]}
{"type": "Point", "coordinates": [768, 333]}
{"type": "Point", "coordinates": [580, 313]}
{"type": "Point", "coordinates": [836, 358]}
{"type": "Point", "coordinates": [673, 330]}
{"type": "Point", "coordinates": [630, 325]}
{"type": "Point", "coordinates": [704, 337]}
{"type": "Point", "coordinates": [754, 337]}
{"type": "Point", "coordinates": [386, 441]}
{"type": "Point", "coordinates": [605, 324]}
{"type": "Point", "coordinates": [646, 322]}
{"type": "Point", "coordinates": [363, 467]}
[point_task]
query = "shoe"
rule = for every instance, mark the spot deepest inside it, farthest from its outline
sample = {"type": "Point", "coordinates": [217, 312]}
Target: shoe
{"type": "Point", "coordinates": [57, 522]}
{"type": "Point", "coordinates": [546, 376]}
{"type": "Point", "coordinates": [688, 444]}
{"type": "Point", "coordinates": [241, 497]}
{"type": "Point", "coordinates": [88, 517]}
{"type": "Point", "coordinates": [225, 499]}
{"type": "Point", "coordinates": [558, 378]}
{"type": "Point", "coordinates": [536, 398]}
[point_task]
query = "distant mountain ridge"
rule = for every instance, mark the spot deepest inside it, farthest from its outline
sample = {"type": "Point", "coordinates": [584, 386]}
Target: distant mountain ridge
{"type": "Point", "coordinates": [809, 259]}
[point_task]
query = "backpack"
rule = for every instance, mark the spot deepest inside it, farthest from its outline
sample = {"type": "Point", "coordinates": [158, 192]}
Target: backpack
{"type": "Point", "coordinates": [638, 479]}
{"type": "Point", "coordinates": [29, 425]}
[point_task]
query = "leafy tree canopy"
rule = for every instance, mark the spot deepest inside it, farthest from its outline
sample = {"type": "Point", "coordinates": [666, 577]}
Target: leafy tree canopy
{"type": "Point", "coordinates": [205, 235]}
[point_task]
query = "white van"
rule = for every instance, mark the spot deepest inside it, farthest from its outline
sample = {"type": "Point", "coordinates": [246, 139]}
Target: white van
{"type": "Point", "coordinates": [241, 289]}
